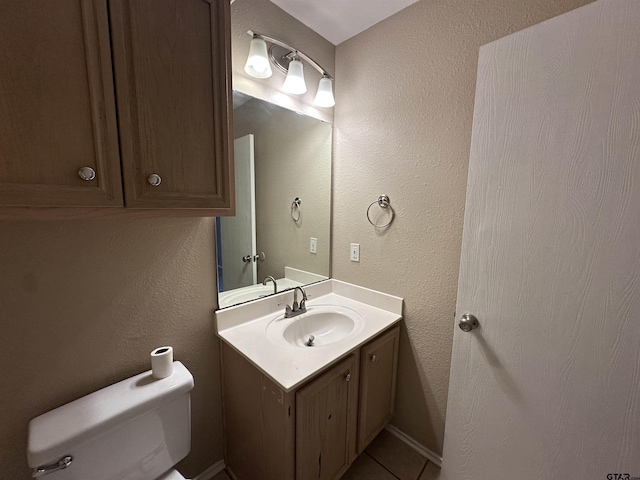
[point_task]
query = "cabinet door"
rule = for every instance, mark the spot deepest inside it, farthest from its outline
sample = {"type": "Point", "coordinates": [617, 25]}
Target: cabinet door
{"type": "Point", "coordinates": [171, 60]}
{"type": "Point", "coordinates": [325, 423]}
{"type": "Point", "coordinates": [57, 111]}
{"type": "Point", "coordinates": [378, 366]}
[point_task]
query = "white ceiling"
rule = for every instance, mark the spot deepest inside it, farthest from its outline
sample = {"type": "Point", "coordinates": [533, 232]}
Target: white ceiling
{"type": "Point", "coordinates": [339, 20]}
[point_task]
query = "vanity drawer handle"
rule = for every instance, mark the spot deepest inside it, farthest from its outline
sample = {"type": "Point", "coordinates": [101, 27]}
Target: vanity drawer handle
{"type": "Point", "coordinates": [373, 358]}
{"type": "Point", "coordinates": [347, 377]}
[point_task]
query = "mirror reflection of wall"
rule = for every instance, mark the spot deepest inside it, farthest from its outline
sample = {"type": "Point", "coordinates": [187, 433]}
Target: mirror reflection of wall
{"type": "Point", "coordinates": [289, 156]}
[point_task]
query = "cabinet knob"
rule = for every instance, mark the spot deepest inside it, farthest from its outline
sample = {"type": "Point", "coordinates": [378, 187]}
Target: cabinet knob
{"type": "Point", "coordinates": [374, 358]}
{"type": "Point", "coordinates": [154, 180]}
{"type": "Point", "coordinates": [347, 377]}
{"type": "Point", "coordinates": [87, 173]}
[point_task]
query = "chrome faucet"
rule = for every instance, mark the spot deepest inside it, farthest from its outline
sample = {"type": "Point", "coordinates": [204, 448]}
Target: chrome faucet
{"type": "Point", "coordinates": [296, 308]}
{"type": "Point", "coordinates": [302, 305]}
{"type": "Point", "coordinates": [275, 285]}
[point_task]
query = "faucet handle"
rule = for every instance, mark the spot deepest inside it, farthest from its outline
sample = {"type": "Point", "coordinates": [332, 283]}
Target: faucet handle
{"type": "Point", "coordinates": [287, 308]}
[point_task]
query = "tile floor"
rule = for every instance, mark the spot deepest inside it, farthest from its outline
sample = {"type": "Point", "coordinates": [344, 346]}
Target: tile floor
{"type": "Point", "coordinates": [387, 458]}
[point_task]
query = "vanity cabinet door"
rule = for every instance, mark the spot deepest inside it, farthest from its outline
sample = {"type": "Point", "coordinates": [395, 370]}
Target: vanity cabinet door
{"type": "Point", "coordinates": [326, 423]}
{"type": "Point", "coordinates": [378, 367]}
{"type": "Point", "coordinates": [57, 110]}
{"type": "Point", "coordinates": [172, 64]}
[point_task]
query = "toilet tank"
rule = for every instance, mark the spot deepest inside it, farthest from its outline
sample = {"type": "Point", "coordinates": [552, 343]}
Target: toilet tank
{"type": "Point", "coordinates": [136, 429]}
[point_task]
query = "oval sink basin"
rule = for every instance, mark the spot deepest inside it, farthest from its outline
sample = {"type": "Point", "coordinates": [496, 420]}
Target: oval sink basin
{"type": "Point", "coordinates": [326, 324]}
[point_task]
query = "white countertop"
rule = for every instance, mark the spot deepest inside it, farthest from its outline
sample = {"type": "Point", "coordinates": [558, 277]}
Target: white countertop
{"type": "Point", "coordinates": [244, 326]}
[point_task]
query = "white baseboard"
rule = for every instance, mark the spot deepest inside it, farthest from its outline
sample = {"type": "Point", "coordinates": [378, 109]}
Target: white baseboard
{"type": "Point", "coordinates": [421, 449]}
{"type": "Point", "coordinates": [212, 471]}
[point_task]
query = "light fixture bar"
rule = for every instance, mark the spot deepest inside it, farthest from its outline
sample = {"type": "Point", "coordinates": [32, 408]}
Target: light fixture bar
{"type": "Point", "coordinates": [300, 54]}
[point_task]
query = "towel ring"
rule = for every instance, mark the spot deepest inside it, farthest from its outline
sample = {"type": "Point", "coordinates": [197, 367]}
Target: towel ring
{"type": "Point", "coordinates": [384, 202]}
{"type": "Point", "coordinates": [295, 206]}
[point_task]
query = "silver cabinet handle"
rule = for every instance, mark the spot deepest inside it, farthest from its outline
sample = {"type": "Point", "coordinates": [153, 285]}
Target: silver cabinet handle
{"type": "Point", "coordinates": [468, 322]}
{"type": "Point", "coordinates": [374, 358]}
{"type": "Point", "coordinates": [347, 377]}
{"type": "Point", "coordinates": [61, 464]}
{"type": "Point", "coordinates": [87, 173]}
{"type": "Point", "coordinates": [154, 180]}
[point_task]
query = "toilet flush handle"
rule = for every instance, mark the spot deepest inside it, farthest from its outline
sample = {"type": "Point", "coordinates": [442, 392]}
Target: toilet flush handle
{"type": "Point", "coordinates": [61, 464]}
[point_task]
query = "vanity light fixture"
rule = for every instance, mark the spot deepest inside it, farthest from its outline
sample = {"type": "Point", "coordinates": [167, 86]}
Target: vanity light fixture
{"type": "Point", "coordinates": [294, 82]}
{"type": "Point", "coordinates": [288, 60]}
{"type": "Point", "coordinates": [258, 63]}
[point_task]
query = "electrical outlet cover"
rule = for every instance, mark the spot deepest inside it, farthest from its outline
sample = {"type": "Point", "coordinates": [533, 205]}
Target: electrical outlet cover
{"type": "Point", "coordinates": [354, 252]}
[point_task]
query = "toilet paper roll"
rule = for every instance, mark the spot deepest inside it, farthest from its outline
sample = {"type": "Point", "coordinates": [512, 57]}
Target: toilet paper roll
{"type": "Point", "coordinates": [162, 362]}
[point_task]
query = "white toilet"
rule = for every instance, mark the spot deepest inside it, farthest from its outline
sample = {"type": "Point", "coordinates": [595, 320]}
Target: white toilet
{"type": "Point", "coordinates": [136, 429]}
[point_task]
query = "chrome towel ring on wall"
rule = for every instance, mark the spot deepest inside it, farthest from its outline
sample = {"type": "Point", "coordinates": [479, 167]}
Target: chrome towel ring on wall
{"type": "Point", "coordinates": [295, 209]}
{"type": "Point", "coordinates": [383, 201]}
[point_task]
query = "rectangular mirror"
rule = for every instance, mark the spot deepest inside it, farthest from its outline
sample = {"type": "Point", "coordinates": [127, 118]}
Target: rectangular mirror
{"type": "Point", "coordinates": [282, 227]}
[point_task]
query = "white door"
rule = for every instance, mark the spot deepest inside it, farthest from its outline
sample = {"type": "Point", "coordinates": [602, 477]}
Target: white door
{"type": "Point", "coordinates": [548, 387]}
{"type": "Point", "coordinates": [238, 234]}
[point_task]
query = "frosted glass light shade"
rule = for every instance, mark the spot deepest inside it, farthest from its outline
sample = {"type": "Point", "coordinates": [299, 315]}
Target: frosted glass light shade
{"type": "Point", "coordinates": [324, 96]}
{"type": "Point", "coordinates": [294, 83]}
{"type": "Point", "coordinates": [258, 62]}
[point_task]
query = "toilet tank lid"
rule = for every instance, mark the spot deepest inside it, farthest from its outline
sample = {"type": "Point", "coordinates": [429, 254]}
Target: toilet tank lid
{"type": "Point", "coordinates": [54, 434]}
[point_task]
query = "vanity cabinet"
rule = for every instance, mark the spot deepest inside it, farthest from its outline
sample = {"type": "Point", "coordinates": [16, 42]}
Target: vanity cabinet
{"type": "Point", "coordinates": [259, 421]}
{"type": "Point", "coordinates": [315, 431]}
{"type": "Point", "coordinates": [65, 141]}
{"type": "Point", "coordinates": [326, 414]}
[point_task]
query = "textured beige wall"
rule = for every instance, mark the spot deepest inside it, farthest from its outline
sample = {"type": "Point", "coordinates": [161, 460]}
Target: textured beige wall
{"type": "Point", "coordinates": [265, 17]}
{"type": "Point", "coordinates": [83, 302]}
{"type": "Point", "coordinates": [405, 95]}
{"type": "Point", "coordinates": [292, 159]}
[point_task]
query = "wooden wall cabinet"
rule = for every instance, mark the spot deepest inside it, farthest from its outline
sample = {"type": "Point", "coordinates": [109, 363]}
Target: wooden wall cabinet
{"type": "Point", "coordinates": [316, 431]}
{"type": "Point", "coordinates": [171, 117]}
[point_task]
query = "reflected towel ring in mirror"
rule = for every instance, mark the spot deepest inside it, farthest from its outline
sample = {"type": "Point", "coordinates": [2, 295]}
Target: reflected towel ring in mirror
{"type": "Point", "coordinates": [384, 202]}
{"type": "Point", "coordinates": [295, 207]}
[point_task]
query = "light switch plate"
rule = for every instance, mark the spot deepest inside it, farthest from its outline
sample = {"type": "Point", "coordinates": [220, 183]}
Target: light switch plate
{"type": "Point", "coordinates": [313, 245]}
{"type": "Point", "coordinates": [355, 252]}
